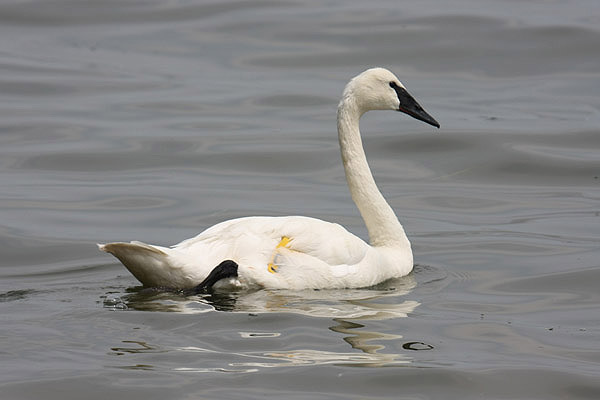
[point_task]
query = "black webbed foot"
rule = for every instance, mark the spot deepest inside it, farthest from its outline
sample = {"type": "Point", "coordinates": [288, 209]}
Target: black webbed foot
{"type": "Point", "coordinates": [227, 269]}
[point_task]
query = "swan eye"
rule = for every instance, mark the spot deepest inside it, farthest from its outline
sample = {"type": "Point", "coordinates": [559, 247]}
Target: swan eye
{"type": "Point", "coordinates": [393, 85]}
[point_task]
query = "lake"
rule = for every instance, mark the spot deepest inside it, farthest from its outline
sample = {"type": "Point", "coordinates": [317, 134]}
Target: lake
{"type": "Point", "coordinates": [152, 120]}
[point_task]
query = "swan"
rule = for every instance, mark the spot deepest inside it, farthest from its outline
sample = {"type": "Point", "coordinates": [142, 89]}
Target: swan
{"type": "Point", "coordinates": [296, 252]}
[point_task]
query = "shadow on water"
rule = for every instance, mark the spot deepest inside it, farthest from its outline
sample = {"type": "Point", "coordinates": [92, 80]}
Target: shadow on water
{"type": "Point", "coordinates": [356, 315]}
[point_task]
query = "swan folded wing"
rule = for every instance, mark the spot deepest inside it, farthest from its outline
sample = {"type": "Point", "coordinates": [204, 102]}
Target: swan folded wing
{"type": "Point", "coordinates": [311, 253]}
{"type": "Point", "coordinates": [293, 269]}
{"type": "Point", "coordinates": [326, 241]}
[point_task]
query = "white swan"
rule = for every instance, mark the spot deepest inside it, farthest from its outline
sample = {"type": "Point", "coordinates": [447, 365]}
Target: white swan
{"type": "Point", "coordinates": [296, 252]}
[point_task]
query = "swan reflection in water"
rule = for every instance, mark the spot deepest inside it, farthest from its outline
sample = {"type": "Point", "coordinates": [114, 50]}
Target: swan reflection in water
{"type": "Point", "coordinates": [350, 310]}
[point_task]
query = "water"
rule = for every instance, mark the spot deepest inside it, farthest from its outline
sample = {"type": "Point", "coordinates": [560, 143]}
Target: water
{"type": "Point", "coordinates": [153, 120]}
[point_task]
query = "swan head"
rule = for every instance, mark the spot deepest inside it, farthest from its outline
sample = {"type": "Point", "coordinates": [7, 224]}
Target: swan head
{"type": "Point", "coordinates": [379, 89]}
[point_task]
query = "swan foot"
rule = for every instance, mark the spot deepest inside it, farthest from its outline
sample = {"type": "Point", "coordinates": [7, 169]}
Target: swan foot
{"type": "Point", "coordinates": [227, 269]}
{"type": "Point", "coordinates": [272, 267]}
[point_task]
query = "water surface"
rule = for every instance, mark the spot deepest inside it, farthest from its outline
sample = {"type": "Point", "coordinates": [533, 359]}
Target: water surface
{"type": "Point", "coordinates": [152, 121]}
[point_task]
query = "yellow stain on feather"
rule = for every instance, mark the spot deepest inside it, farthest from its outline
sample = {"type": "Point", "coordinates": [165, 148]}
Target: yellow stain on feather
{"type": "Point", "coordinates": [283, 243]}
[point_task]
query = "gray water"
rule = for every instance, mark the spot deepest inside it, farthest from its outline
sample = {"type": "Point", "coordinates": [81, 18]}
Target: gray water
{"type": "Point", "coordinates": [152, 120]}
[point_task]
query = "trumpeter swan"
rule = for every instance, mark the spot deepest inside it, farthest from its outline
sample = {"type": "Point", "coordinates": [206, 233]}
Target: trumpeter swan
{"type": "Point", "coordinates": [296, 252]}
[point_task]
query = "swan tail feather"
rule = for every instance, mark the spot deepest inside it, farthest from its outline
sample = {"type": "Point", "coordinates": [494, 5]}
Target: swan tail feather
{"type": "Point", "coordinates": [149, 264]}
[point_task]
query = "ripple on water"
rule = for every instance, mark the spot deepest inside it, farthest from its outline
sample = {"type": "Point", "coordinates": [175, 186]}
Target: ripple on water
{"type": "Point", "coordinates": [14, 295]}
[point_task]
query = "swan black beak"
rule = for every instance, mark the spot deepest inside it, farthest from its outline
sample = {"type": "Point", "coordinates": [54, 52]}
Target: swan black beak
{"type": "Point", "coordinates": [409, 105]}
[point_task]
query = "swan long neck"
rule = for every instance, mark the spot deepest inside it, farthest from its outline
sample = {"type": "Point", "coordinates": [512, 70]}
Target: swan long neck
{"type": "Point", "coordinates": [384, 228]}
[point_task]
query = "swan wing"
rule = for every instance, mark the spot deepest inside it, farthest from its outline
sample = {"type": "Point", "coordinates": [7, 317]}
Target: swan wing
{"type": "Point", "coordinates": [329, 242]}
{"type": "Point", "coordinates": [273, 252]}
{"type": "Point", "coordinates": [279, 252]}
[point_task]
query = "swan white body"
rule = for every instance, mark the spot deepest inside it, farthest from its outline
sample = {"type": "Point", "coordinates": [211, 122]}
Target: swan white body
{"type": "Point", "coordinates": [298, 252]}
